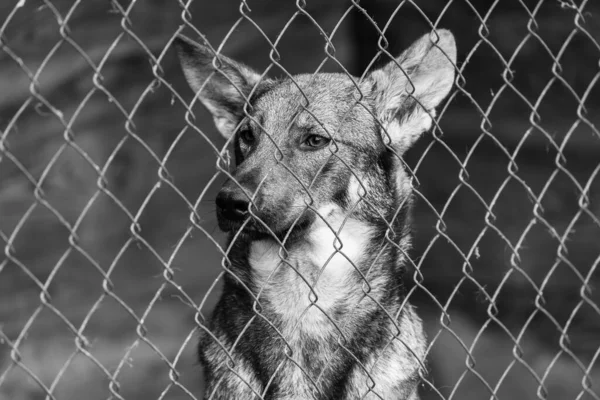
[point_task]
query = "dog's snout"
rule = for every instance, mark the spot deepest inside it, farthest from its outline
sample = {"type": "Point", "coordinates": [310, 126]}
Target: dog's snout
{"type": "Point", "coordinates": [232, 204]}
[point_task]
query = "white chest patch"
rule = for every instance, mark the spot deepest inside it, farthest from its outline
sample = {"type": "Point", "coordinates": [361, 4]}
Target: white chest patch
{"type": "Point", "coordinates": [337, 244]}
{"type": "Point", "coordinates": [316, 273]}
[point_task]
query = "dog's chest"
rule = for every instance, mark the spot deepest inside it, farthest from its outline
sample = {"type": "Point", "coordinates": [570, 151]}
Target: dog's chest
{"type": "Point", "coordinates": [309, 294]}
{"type": "Point", "coordinates": [311, 286]}
{"type": "Point", "coordinates": [313, 295]}
{"type": "Point", "coordinates": [323, 369]}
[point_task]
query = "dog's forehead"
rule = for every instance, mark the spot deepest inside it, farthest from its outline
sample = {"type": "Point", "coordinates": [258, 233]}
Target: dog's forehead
{"type": "Point", "coordinates": [326, 97]}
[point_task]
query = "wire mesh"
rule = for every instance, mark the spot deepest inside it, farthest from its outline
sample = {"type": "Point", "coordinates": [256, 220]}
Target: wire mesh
{"type": "Point", "coordinates": [109, 169]}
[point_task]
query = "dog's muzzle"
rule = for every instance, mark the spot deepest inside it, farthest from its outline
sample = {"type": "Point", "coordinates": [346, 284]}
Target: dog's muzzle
{"type": "Point", "coordinates": [232, 208]}
{"type": "Point", "coordinates": [235, 210]}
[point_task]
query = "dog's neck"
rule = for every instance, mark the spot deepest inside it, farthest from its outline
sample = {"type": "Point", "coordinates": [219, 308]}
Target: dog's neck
{"type": "Point", "coordinates": [340, 263]}
{"type": "Point", "coordinates": [331, 248]}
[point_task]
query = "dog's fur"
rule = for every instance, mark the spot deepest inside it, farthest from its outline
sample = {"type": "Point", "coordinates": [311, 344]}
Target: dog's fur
{"type": "Point", "coordinates": [318, 212]}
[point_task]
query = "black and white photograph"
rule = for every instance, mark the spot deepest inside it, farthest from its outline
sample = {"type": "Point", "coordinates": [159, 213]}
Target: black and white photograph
{"type": "Point", "coordinates": [300, 200]}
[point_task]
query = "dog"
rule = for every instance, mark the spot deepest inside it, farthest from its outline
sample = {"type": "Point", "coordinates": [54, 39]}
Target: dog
{"type": "Point", "coordinates": [317, 210]}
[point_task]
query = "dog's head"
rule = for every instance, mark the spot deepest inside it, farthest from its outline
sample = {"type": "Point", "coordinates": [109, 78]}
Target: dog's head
{"type": "Point", "coordinates": [311, 146]}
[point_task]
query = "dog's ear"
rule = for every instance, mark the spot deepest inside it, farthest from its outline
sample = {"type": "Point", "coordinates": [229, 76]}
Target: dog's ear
{"type": "Point", "coordinates": [228, 86]}
{"type": "Point", "coordinates": [407, 90]}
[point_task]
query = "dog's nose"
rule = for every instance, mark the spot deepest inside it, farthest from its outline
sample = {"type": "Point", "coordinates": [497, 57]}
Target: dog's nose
{"type": "Point", "coordinates": [233, 204]}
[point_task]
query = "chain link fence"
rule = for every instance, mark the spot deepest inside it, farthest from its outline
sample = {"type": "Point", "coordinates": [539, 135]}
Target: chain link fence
{"type": "Point", "coordinates": [112, 258]}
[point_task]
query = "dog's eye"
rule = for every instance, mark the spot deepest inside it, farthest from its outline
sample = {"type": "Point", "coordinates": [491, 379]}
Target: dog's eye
{"type": "Point", "coordinates": [247, 136]}
{"type": "Point", "coordinates": [316, 141]}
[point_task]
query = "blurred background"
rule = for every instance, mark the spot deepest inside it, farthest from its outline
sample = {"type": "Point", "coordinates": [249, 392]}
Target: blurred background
{"type": "Point", "coordinates": [111, 252]}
